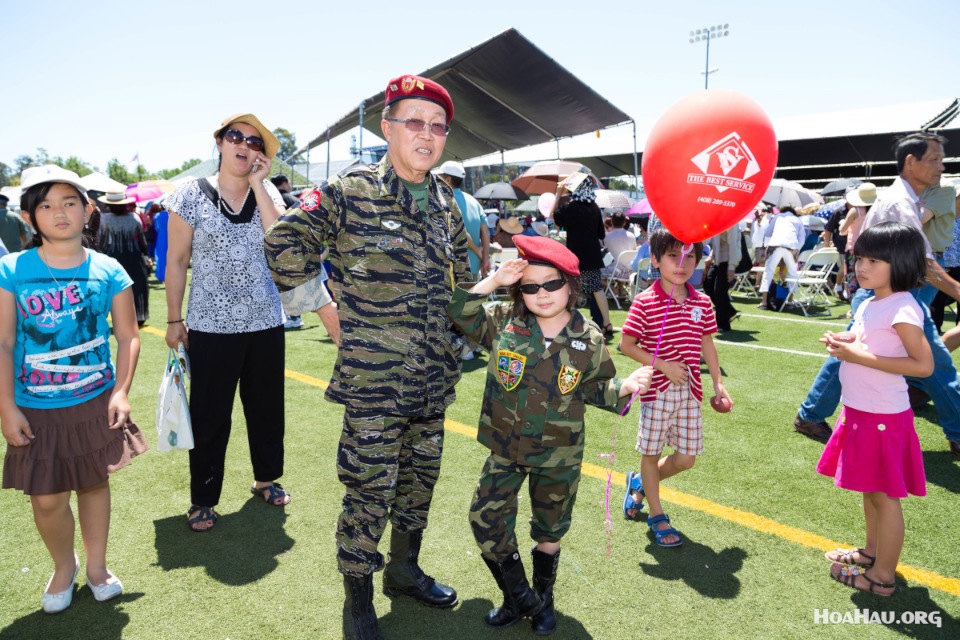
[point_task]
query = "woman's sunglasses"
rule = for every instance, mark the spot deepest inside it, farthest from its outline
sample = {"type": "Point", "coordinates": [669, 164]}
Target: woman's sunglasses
{"type": "Point", "coordinates": [235, 137]}
{"type": "Point", "coordinates": [550, 285]}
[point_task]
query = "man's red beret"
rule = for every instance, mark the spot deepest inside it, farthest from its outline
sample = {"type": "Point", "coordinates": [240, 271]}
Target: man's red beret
{"type": "Point", "coordinates": [404, 87]}
{"type": "Point", "coordinates": [540, 250]}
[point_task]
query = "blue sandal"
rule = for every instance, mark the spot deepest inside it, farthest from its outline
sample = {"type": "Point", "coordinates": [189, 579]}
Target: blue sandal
{"type": "Point", "coordinates": [634, 483]}
{"type": "Point", "coordinates": [275, 494]}
{"type": "Point", "coordinates": [660, 534]}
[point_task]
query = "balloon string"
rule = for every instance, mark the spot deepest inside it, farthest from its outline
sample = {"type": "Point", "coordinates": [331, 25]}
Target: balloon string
{"type": "Point", "coordinates": [610, 457]}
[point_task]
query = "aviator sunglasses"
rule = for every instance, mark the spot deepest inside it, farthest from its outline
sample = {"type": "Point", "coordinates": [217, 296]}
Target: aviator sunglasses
{"type": "Point", "coordinates": [550, 285]}
{"type": "Point", "coordinates": [439, 129]}
{"type": "Point", "coordinates": [235, 137]}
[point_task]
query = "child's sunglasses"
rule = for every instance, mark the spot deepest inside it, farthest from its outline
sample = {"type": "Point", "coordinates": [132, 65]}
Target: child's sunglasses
{"type": "Point", "coordinates": [550, 285]}
{"type": "Point", "coordinates": [235, 137]}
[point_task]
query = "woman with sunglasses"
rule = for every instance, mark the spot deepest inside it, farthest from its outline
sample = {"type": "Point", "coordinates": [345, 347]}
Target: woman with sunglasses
{"type": "Point", "coordinates": [549, 363]}
{"type": "Point", "coordinates": [233, 329]}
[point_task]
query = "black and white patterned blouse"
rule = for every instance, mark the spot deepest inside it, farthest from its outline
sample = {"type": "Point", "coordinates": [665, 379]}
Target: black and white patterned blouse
{"type": "Point", "coordinates": [232, 290]}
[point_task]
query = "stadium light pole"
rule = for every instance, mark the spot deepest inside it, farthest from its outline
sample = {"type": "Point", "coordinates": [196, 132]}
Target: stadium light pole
{"type": "Point", "coordinates": [707, 34]}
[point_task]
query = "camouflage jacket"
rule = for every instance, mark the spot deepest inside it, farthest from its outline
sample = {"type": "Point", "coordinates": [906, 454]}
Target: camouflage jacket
{"type": "Point", "coordinates": [535, 397]}
{"type": "Point", "coordinates": [393, 268]}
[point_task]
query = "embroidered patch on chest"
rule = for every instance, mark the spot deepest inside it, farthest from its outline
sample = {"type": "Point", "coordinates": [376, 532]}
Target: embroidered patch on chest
{"type": "Point", "coordinates": [512, 328]}
{"type": "Point", "coordinates": [579, 345]}
{"type": "Point", "coordinates": [310, 201]}
{"type": "Point", "coordinates": [390, 225]}
{"type": "Point", "coordinates": [510, 368]}
{"type": "Point", "coordinates": [696, 314]}
{"type": "Point", "coordinates": [567, 379]}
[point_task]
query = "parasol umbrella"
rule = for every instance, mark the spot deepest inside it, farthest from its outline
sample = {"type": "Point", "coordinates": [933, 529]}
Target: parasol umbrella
{"type": "Point", "coordinates": [610, 199]}
{"type": "Point", "coordinates": [812, 222]}
{"type": "Point", "coordinates": [640, 209]}
{"type": "Point", "coordinates": [149, 189]}
{"type": "Point", "coordinates": [783, 193]}
{"type": "Point", "coordinates": [840, 187]}
{"type": "Point", "coordinates": [96, 181]}
{"type": "Point", "coordinates": [544, 176]}
{"type": "Point", "coordinates": [500, 191]}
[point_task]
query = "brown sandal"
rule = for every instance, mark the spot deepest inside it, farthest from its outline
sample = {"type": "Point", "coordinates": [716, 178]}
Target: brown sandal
{"type": "Point", "coordinates": [847, 575]}
{"type": "Point", "coordinates": [845, 556]}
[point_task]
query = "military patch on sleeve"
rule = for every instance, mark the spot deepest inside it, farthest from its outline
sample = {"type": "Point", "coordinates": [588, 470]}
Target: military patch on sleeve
{"type": "Point", "coordinates": [510, 368]}
{"type": "Point", "coordinates": [311, 201]}
{"type": "Point", "coordinates": [567, 379]}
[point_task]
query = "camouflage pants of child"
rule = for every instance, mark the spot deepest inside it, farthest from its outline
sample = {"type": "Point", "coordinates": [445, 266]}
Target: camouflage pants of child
{"type": "Point", "coordinates": [389, 466]}
{"type": "Point", "coordinates": [493, 514]}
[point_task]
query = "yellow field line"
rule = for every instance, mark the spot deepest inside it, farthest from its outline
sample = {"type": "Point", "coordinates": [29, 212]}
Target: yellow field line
{"type": "Point", "coordinates": [742, 518]}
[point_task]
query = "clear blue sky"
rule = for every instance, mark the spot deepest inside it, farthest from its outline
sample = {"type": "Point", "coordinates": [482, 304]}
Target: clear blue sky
{"type": "Point", "coordinates": [113, 79]}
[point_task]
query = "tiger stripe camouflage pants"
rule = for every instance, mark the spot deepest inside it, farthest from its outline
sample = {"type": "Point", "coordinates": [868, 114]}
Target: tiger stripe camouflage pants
{"type": "Point", "coordinates": [389, 466]}
{"type": "Point", "coordinates": [493, 514]}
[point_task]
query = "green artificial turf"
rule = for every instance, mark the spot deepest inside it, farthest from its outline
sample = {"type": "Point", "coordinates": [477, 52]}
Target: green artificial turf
{"type": "Point", "coordinates": [266, 572]}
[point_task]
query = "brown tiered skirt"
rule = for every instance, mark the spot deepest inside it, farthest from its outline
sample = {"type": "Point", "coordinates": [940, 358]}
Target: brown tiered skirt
{"type": "Point", "coordinates": [73, 448]}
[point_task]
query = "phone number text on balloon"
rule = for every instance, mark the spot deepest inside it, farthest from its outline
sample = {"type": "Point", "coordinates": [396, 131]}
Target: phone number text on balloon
{"type": "Point", "coordinates": [716, 201]}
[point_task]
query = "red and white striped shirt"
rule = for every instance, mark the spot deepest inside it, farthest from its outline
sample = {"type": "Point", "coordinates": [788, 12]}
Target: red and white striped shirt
{"type": "Point", "coordinates": [683, 333]}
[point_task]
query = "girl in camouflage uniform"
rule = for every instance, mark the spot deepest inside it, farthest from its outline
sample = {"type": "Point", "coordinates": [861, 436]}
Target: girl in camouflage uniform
{"type": "Point", "coordinates": [547, 363]}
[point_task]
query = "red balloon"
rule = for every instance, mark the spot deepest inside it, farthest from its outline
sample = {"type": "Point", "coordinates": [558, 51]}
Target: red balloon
{"type": "Point", "coordinates": [707, 162]}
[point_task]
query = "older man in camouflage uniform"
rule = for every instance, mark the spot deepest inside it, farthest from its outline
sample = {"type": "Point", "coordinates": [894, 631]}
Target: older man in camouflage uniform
{"type": "Point", "coordinates": [397, 245]}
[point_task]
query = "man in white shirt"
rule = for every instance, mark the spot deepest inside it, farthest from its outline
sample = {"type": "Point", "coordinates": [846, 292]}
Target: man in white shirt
{"type": "Point", "coordinates": [784, 237]}
{"type": "Point", "coordinates": [920, 165]}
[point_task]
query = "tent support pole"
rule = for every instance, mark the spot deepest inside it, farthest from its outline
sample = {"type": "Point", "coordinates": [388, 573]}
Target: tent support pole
{"type": "Point", "coordinates": [636, 168]}
{"type": "Point", "coordinates": [328, 155]}
{"type": "Point", "coordinates": [558, 147]}
{"type": "Point", "coordinates": [503, 168]}
{"type": "Point", "coordinates": [360, 139]}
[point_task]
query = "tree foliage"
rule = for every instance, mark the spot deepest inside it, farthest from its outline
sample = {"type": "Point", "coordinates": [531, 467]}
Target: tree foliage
{"type": "Point", "coordinates": [288, 143]}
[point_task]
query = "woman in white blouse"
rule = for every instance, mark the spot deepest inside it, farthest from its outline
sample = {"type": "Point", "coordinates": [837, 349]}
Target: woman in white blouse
{"type": "Point", "coordinates": [233, 329]}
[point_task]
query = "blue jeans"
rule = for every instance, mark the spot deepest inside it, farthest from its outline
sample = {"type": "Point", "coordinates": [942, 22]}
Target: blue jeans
{"type": "Point", "coordinates": [824, 396]}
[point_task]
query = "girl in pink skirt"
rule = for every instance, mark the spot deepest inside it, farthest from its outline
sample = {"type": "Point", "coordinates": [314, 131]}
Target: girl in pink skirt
{"type": "Point", "coordinates": [874, 448]}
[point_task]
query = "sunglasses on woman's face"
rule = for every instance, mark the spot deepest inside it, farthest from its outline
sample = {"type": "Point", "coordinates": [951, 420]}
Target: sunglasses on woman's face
{"type": "Point", "coordinates": [235, 137]}
{"type": "Point", "coordinates": [550, 285]}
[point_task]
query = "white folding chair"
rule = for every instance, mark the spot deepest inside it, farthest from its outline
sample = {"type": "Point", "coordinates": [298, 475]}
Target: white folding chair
{"type": "Point", "coordinates": [638, 279]}
{"type": "Point", "coordinates": [620, 274]}
{"type": "Point", "coordinates": [812, 284]}
{"type": "Point", "coordinates": [507, 253]}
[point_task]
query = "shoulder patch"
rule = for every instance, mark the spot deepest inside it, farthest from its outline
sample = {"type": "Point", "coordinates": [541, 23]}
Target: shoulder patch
{"type": "Point", "coordinates": [311, 201]}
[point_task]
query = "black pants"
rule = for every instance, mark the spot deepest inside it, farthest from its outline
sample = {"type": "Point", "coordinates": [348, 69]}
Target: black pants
{"type": "Point", "coordinates": [218, 363]}
{"type": "Point", "coordinates": [717, 287]}
{"type": "Point", "coordinates": [940, 303]}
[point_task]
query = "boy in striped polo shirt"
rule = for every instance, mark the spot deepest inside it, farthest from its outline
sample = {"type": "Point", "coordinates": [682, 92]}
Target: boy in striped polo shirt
{"type": "Point", "coordinates": [670, 412]}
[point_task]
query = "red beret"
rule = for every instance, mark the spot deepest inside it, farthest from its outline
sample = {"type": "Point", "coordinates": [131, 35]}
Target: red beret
{"type": "Point", "coordinates": [540, 250]}
{"type": "Point", "coordinates": [404, 87]}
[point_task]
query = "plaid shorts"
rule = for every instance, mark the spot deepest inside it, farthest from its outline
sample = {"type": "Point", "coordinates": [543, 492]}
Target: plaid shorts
{"type": "Point", "coordinates": [674, 419]}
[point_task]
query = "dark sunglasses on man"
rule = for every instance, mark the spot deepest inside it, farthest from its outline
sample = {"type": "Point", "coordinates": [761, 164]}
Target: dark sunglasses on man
{"type": "Point", "coordinates": [439, 129]}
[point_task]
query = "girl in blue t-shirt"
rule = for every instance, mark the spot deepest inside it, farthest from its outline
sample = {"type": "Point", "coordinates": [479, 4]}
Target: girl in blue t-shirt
{"type": "Point", "coordinates": [64, 410]}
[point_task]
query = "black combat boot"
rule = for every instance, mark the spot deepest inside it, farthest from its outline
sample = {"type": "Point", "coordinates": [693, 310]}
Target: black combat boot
{"type": "Point", "coordinates": [519, 600]}
{"type": "Point", "coordinates": [544, 575]}
{"type": "Point", "coordinates": [403, 575]}
{"type": "Point", "coordinates": [359, 617]}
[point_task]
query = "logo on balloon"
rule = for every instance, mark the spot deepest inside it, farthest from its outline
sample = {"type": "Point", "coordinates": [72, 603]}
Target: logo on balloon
{"type": "Point", "coordinates": [707, 162]}
{"type": "Point", "coordinates": [726, 164]}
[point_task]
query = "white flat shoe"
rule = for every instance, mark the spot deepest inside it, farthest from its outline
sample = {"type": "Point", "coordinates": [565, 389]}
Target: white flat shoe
{"type": "Point", "coordinates": [104, 592]}
{"type": "Point", "coordinates": [57, 602]}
